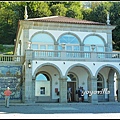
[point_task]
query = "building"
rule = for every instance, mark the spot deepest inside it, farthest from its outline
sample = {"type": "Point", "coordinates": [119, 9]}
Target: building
{"type": "Point", "coordinates": [59, 52]}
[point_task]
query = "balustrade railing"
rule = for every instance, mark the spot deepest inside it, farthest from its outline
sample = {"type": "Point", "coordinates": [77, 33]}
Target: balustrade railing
{"type": "Point", "coordinates": [11, 58]}
{"type": "Point", "coordinates": [64, 55]}
{"type": "Point", "coordinates": [74, 55]}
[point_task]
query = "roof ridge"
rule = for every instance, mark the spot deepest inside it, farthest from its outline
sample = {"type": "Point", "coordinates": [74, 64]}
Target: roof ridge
{"type": "Point", "coordinates": [65, 20]}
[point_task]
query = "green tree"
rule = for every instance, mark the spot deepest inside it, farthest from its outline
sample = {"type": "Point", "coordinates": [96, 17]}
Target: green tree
{"type": "Point", "coordinates": [99, 13]}
{"type": "Point", "coordinates": [58, 9]}
{"type": "Point", "coordinates": [7, 29]}
{"type": "Point", "coordinates": [115, 20]}
{"type": "Point", "coordinates": [38, 9]}
{"type": "Point", "coordinates": [74, 10]}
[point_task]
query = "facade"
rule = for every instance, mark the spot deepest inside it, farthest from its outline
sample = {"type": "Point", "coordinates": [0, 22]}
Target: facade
{"type": "Point", "coordinates": [61, 52]}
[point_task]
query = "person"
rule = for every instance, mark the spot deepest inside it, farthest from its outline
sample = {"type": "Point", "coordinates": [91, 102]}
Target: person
{"type": "Point", "coordinates": [117, 94]}
{"type": "Point", "coordinates": [82, 94]}
{"type": "Point", "coordinates": [69, 92]}
{"type": "Point", "coordinates": [7, 94]}
{"type": "Point", "coordinates": [79, 94]}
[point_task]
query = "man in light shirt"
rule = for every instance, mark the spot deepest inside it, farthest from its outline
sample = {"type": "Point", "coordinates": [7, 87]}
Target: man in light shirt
{"type": "Point", "coordinates": [7, 94]}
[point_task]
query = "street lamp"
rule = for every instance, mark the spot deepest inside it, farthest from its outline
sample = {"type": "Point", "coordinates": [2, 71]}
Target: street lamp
{"type": "Point", "coordinates": [29, 64]}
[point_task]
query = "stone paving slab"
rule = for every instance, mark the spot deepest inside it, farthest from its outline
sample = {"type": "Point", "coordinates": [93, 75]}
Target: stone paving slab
{"type": "Point", "coordinates": [60, 108]}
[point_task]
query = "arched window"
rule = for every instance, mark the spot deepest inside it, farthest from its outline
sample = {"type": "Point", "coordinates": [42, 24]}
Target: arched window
{"type": "Point", "coordinates": [71, 77]}
{"type": "Point", "coordinates": [42, 77]}
{"type": "Point", "coordinates": [96, 41]}
{"type": "Point", "coordinates": [42, 41]}
{"type": "Point", "coordinates": [71, 42]}
{"type": "Point", "coordinates": [42, 85]}
{"type": "Point", "coordinates": [99, 82]}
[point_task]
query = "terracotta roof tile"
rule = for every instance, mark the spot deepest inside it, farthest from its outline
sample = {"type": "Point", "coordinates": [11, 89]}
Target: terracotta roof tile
{"type": "Point", "coordinates": [61, 19]}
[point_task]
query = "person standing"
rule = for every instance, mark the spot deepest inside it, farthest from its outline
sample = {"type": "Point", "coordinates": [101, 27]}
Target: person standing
{"type": "Point", "coordinates": [82, 94]}
{"type": "Point", "coordinates": [69, 92]}
{"type": "Point", "coordinates": [7, 94]}
{"type": "Point", "coordinates": [117, 94]}
{"type": "Point", "coordinates": [79, 94]}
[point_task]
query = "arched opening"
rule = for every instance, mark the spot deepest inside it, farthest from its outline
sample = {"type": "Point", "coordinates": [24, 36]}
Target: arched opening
{"type": "Point", "coordinates": [42, 87]}
{"type": "Point", "coordinates": [71, 84]}
{"type": "Point", "coordinates": [70, 41]}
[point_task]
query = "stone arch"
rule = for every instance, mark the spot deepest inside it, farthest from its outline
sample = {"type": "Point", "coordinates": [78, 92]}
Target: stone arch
{"type": "Point", "coordinates": [80, 65]}
{"type": "Point", "coordinates": [97, 36]}
{"type": "Point", "coordinates": [70, 33]}
{"type": "Point", "coordinates": [108, 65]}
{"type": "Point", "coordinates": [45, 32]}
{"type": "Point", "coordinates": [51, 64]}
{"type": "Point", "coordinates": [44, 72]}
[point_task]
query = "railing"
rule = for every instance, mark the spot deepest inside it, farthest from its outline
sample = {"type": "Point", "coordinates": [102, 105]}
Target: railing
{"type": "Point", "coordinates": [75, 55]}
{"type": "Point", "coordinates": [65, 55]}
{"type": "Point", "coordinates": [11, 58]}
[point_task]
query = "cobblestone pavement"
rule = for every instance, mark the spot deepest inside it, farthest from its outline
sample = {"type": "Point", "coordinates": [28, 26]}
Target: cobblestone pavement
{"type": "Point", "coordinates": [63, 109]}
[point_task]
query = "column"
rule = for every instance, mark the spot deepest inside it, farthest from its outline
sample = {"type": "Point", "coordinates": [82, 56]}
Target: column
{"type": "Point", "coordinates": [111, 89]}
{"type": "Point", "coordinates": [93, 97]}
{"type": "Point", "coordinates": [63, 90]}
{"type": "Point", "coordinates": [28, 91]}
{"type": "Point", "coordinates": [33, 90]}
{"type": "Point", "coordinates": [118, 89]}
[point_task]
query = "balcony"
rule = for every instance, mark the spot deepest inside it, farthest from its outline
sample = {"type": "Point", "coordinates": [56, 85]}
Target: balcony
{"type": "Point", "coordinates": [11, 59]}
{"type": "Point", "coordinates": [76, 56]}
{"type": "Point", "coordinates": [53, 55]}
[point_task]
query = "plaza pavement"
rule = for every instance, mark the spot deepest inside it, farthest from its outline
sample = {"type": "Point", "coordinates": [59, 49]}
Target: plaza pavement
{"type": "Point", "coordinates": [61, 110]}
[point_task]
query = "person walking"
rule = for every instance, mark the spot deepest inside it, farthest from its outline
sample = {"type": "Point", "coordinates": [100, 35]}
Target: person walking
{"type": "Point", "coordinates": [7, 94]}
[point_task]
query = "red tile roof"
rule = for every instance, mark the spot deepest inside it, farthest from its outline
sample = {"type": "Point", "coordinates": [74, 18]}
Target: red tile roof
{"type": "Point", "coordinates": [61, 19]}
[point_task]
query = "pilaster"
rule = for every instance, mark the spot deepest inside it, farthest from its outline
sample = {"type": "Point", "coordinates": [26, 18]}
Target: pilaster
{"type": "Point", "coordinates": [111, 89]}
{"type": "Point", "coordinates": [28, 91]}
{"type": "Point", "coordinates": [63, 90]}
{"type": "Point", "coordinates": [93, 97]}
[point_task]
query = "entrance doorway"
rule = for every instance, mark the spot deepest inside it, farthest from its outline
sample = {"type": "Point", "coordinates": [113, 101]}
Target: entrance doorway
{"type": "Point", "coordinates": [72, 85]}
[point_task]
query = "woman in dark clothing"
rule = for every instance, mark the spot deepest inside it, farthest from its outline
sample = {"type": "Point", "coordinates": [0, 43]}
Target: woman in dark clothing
{"type": "Point", "coordinates": [80, 94]}
{"type": "Point", "coordinates": [117, 94]}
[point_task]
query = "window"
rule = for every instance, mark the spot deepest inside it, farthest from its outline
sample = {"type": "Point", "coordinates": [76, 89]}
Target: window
{"type": "Point", "coordinates": [71, 42]}
{"type": "Point", "coordinates": [42, 90]}
{"type": "Point", "coordinates": [71, 77]}
{"type": "Point", "coordinates": [42, 77]}
{"type": "Point", "coordinates": [42, 41]}
{"type": "Point", "coordinates": [94, 40]}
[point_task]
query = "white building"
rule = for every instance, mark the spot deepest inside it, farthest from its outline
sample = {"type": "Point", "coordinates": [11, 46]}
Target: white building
{"type": "Point", "coordinates": [65, 52]}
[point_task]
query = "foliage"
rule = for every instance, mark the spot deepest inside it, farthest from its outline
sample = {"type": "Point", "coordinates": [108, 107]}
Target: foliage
{"type": "Point", "coordinates": [58, 9]}
{"type": "Point", "coordinates": [6, 50]}
{"type": "Point", "coordinates": [11, 12]}
{"type": "Point", "coordinates": [75, 10]}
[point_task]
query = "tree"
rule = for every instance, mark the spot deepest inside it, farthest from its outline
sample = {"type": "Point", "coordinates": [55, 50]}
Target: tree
{"type": "Point", "coordinates": [38, 9]}
{"type": "Point", "coordinates": [99, 13]}
{"type": "Point", "coordinates": [115, 20]}
{"type": "Point", "coordinates": [75, 10]}
{"type": "Point", "coordinates": [58, 9]}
